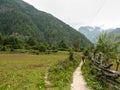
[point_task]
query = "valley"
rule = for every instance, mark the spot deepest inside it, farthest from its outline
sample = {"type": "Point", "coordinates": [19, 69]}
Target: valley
{"type": "Point", "coordinates": [40, 51]}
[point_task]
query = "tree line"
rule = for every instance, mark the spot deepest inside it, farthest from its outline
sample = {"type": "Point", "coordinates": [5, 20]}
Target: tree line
{"type": "Point", "coordinates": [12, 42]}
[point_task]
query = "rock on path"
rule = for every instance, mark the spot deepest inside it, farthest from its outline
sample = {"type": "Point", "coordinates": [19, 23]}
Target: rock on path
{"type": "Point", "coordinates": [78, 80]}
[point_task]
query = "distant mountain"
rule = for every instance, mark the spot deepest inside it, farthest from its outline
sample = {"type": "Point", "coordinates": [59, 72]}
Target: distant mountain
{"type": "Point", "coordinates": [90, 32]}
{"type": "Point", "coordinates": [22, 19]}
{"type": "Point", "coordinates": [116, 31]}
{"type": "Point", "coordinates": [93, 32]}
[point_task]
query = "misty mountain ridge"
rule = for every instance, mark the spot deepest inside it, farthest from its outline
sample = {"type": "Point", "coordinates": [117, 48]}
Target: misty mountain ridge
{"type": "Point", "coordinates": [92, 33]}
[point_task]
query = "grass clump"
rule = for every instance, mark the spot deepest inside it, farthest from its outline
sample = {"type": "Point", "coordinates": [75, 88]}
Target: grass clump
{"type": "Point", "coordinates": [61, 73]}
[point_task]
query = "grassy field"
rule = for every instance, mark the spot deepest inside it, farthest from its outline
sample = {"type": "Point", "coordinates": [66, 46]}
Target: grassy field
{"type": "Point", "coordinates": [26, 71]}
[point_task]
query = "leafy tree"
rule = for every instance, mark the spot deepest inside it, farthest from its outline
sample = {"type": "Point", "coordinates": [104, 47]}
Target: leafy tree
{"type": "Point", "coordinates": [1, 40]}
{"type": "Point", "coordinates": [76, 45]}
{"type": "Point", "coordinates": [63, 45]}
{"type": "Point", "coordinates": [32, 41]}
{"type": "Point", "coordinates": [4, 48]}
{"type": "Point", "coordinates": [42, 47]}
{"type": "Point", "coordinates": [108, 44]}
{"type": "Point", "coordinates": [12, 42]}
{"type": "Point", "coordinates": [71, 58]}
{"type": "Point", "coordinates": [86, 52]}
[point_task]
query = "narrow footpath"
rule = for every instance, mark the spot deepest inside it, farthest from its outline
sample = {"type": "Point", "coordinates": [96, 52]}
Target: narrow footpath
{"type": "Point", "coordinates": [78, 80]}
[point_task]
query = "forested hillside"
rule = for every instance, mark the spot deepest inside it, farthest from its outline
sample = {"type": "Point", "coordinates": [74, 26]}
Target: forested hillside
{"type": "Point", "coordinates": [23, 20]}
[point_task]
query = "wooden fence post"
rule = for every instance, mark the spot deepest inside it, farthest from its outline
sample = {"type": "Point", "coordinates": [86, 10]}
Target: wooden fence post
{"type": "Point", "coordinates": [117, 62]}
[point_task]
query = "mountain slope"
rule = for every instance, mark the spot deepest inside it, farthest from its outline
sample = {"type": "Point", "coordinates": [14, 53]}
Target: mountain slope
{"type": "Point", "coordinates": [18, 17]}
{"type": "Point", "coordinates": [13, 20]}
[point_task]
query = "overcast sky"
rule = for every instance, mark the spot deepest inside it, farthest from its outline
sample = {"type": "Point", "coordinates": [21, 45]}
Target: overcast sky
{"type": "Point", "coordinates": [105, 13]}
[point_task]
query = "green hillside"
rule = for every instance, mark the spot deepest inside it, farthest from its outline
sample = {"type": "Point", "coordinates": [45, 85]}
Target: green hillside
{"type": "Point", "coordinates": [23, 20]}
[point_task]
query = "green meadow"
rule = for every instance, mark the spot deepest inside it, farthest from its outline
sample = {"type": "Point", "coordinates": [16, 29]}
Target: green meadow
{"type": "Point", "coordinates": [26, 71]}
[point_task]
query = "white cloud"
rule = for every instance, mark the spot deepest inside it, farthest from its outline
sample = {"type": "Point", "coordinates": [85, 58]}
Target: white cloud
{"type": "Point", "coordinates": [77, 12]}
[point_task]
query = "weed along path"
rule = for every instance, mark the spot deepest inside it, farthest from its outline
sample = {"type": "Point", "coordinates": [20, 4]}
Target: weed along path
{"type": "Point", "coordinates": [78, 80]}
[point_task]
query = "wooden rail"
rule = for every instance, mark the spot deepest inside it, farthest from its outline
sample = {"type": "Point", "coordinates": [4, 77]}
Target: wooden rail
{"type": "Point", "coordinates": [105, 70]}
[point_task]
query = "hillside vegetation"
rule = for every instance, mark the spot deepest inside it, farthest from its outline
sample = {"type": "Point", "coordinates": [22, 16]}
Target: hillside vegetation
{"type": "Point", "coordinates": [23, 20]}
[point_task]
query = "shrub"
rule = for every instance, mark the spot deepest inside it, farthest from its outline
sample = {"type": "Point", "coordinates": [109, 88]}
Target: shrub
{"type": "Point", "coordinates": [4, 48]}
{"type": "Point", "coordinates": [86, 52]}
{"type": "Point", "coordinates": [34, 52]}
{"type": "Point", "coordinates": [12, 41]}
{"type": "Point", "coordinates": [42, 48]}
{"type": "Point", "coordinates": [71, 55]}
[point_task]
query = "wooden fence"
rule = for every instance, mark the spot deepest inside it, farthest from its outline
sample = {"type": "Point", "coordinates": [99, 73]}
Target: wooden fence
{"type": "Point", "coordinates": [112, 76]}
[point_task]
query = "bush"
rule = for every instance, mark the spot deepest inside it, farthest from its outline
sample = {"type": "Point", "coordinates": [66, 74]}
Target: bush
{"type": "Point", "coordinates": [13, 42]}
{"type": "Point", "coordinates": [34, 52]}
{"type": "Point", "coordinates": [12, 49]}
{"type": "Point", "coordinates": [71, 55]}
{"type": "Point", "coordinates": [42, 48]}
{"type": "Point", "coordinates": [4, 48]}
{"type": "Point", "coordinates": [86, 52]}
{"type": "Point", "coordinates": [55, 51]}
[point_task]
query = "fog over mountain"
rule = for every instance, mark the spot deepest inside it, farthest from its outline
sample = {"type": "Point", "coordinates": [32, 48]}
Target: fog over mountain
{"type": "Point", "coordinates": [92, 33]}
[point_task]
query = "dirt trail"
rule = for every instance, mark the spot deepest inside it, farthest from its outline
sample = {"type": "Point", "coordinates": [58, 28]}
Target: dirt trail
{"type": "Point", "coordinates": [78, 80]}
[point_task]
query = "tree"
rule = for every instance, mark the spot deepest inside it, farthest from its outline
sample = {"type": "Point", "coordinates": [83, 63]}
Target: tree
{"type": "Point", "coordinates": [42, 47]}
{"type": "Point", "coordinates": [1, 40]}
{"type": "Point", "coordinates": [63, 44]}
{"type": "Point", "coordinates": [107, 44]}
{"type": "Point", "coordinates": [12, 42]}
{"type": "Point", "coordinates": [76, 45]}
{"type": "Point", "coordinates": [32, 41]}
{"type": "Point", "coordinates": [71, 58]}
